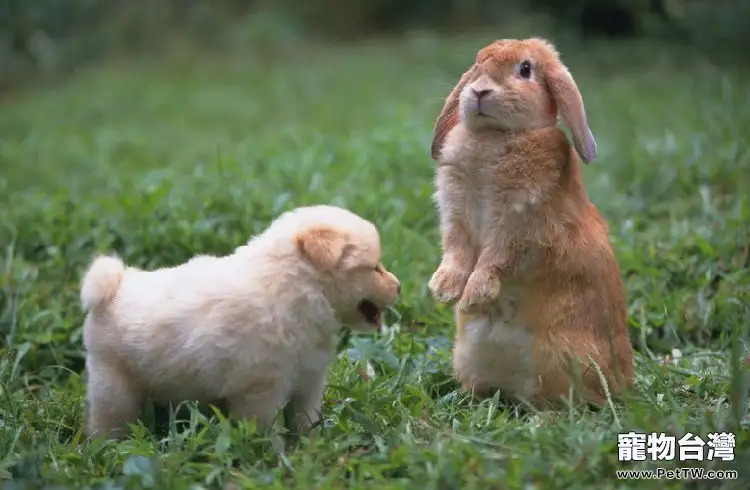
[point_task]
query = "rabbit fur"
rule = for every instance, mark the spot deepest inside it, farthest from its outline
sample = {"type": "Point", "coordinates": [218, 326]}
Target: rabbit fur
{"type": "Point", "coordinates": [540, 307]}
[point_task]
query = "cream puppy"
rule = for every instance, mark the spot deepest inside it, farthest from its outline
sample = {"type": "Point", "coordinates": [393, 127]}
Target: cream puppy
{"type": "Point", "coordinates": [256, 329]}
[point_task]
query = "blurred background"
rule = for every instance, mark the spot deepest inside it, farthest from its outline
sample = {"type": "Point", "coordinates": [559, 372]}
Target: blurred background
{"type": "Point", "coordinates": [45, 37]}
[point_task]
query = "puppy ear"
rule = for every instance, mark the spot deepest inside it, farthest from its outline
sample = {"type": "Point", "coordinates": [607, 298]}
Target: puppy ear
{"type": "Point", "coordinates": [570, 104]}
{"type": "Point", "coordinates": [448, 117]}
{"type": "Point", "coordinates": [323, 247]}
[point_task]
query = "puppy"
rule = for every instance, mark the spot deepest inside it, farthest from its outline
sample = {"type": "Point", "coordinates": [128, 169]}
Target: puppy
{"type": "Point", "coordinates": [256, 329]}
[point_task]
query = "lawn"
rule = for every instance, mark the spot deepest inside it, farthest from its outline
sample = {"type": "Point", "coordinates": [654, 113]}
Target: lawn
{"type": "Point", "coordinates": [160, 159]}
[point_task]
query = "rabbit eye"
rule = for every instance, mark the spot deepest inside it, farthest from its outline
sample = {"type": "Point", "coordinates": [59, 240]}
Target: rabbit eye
{"type": "Point", "coordinates": [524, 69]}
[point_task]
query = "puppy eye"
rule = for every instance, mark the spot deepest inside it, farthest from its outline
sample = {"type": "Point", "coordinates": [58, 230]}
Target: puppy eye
{"type": "Point", "coordinates": [524, 69]}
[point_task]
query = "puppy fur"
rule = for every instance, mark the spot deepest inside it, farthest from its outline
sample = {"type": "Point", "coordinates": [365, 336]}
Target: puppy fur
{"type": "Point", "coordinates": [255, 329]}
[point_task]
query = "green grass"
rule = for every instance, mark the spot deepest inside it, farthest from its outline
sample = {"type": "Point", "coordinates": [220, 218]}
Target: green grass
{"type": "Point", "coordinates": [162, 159]}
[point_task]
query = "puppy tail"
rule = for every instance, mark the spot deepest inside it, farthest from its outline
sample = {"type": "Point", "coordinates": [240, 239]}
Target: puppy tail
{"type": "Point", "coordinates": [101, 282]}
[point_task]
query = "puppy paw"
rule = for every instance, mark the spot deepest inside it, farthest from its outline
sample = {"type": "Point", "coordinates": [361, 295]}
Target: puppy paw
{"type": "Point", "coordinates": [481, 288]}
{"type": "Point", "coordinates": [447, 283]}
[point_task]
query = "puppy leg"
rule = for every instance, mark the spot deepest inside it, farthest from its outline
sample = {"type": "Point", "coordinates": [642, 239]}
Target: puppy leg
{"type": "Point", "coordinates": [448, 281]}
{"type": "Point", "coordinates": [263, 406]}
{"type": "Point", "coordinates": [305, 405]}
{"type": "Point", "coordinates": [261, 401]}
{"type": "Point", "coordinates": [113, 399]}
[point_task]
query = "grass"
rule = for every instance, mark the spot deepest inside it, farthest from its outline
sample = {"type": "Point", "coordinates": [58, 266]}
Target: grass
{"type": "Point", "coordinates": [165, 158]}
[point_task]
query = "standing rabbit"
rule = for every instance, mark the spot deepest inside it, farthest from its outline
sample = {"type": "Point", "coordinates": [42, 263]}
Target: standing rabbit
{"type": "Point", "coordinates": [526, 255]}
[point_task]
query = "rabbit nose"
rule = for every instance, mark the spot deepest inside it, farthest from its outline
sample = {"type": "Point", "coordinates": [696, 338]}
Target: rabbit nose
{"type": "Point", "coordinates": [480, 93]}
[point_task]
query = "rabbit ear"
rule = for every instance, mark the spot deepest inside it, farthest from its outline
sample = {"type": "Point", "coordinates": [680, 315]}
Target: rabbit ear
{"type": "Point", "coordinates": [570, 104]}
{"type": "Point", "coordinates": [448, 117]}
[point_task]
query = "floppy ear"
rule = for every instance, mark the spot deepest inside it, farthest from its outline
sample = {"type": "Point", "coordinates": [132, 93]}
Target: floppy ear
{"type": "Point", "coordinates": [570, 104]}
{"type": "Point", "coordinates": [448, 117]}
{"type": "Point", "coordinates": [323, 247]}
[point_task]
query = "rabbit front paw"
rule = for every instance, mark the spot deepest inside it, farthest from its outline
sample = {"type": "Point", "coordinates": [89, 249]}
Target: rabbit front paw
{"type": "Point", "coordinates": [482, 287]}
{"type": "Point", "coordinates": [447, 283]}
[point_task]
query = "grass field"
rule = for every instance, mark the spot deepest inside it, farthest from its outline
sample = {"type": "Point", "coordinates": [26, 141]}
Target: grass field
{"type": "Point", "coordinates": [161, 159]}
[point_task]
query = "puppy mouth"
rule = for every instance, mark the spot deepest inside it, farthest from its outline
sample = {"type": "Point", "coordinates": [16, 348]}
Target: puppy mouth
{"type": "Point", "coordinates": [370, 311]}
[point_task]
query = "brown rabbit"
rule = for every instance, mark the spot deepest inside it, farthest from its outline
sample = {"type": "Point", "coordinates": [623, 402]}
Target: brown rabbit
{"type": "Point", "coordinates": [526, 255]}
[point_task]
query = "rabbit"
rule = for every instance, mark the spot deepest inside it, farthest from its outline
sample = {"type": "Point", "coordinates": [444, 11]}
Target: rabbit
{"type": "Point", "coordinates": [539, 302]}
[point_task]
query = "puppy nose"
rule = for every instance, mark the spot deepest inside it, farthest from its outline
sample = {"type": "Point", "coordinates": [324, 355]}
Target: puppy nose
{"type": "Point", "coordinates": [398, 288]}
{"type": "Point", "coordinates": [480, 93]}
